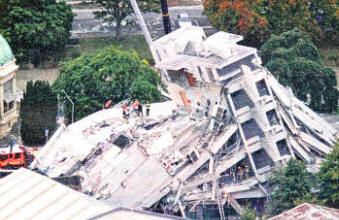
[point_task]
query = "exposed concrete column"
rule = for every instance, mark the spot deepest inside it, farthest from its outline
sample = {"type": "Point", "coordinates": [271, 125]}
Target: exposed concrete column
{"type": "Point", "coordinates": [242, 135]}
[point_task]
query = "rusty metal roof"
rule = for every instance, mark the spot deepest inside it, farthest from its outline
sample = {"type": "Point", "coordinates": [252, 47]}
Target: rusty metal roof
{"type": "Point", "coordinates": [308, 211]}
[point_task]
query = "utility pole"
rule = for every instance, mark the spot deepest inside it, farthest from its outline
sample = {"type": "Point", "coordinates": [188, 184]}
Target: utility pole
{"type": "Point", "coordinates": [165, 16]}
{"type": "Point", "coordinates": [163, 72]}
{"type": "Point", "coordinates": [144, 29]}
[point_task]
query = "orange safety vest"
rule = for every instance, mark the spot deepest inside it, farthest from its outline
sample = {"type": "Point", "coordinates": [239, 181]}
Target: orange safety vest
{"type": "Point", "coordinates": [108, 103]}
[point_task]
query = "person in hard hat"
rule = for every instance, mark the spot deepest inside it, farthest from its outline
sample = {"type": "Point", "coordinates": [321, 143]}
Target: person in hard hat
{"type": "Point", "coordinates": [148, 108]}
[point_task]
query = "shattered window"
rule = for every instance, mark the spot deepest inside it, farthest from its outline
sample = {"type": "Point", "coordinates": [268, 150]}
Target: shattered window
{"type": "Point", "coordinates": [122, 141]}
{"type": "Point", "coordinates": [262, 159]}
{"type": "Point", "coordinates": [262, 88]}
{"type": "Point", "coordinates": [251, 129]}
{"type": "Point", "coordinates": [272, 117]}
{"type": "Point", "coordinates": [240, 99]}
{"type": "Point", "coordinates": [283, 148]}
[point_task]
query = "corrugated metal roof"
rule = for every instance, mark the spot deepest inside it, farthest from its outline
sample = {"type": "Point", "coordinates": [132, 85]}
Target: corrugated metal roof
{"type": "Point", "coordinates": [309, 212]}
{"type": "Point", "coordinates": [124, 213]}
{"type": "Point", "coordinates": [27, 195]}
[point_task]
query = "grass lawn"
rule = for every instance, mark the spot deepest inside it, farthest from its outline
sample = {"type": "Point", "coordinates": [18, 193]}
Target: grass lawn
{"type": "Point", "coordinates": [88, 45]}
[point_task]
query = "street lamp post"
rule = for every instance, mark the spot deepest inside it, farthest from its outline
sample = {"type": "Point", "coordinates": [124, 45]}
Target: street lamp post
{"type": "Point", "coordinates": [71, 103]}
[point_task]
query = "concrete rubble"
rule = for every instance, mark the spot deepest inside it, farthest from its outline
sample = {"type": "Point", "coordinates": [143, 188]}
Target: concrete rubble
{"type": "Point", "coordinates": [226, 112]}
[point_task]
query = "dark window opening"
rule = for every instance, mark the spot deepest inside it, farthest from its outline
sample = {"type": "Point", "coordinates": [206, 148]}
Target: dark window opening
{"type": "Point", "coordinates": [180, 77]}
{"type": "Point", "coordinates": [17, 156]}
{"type": "Point", "coordinates": [4, 157]}
{"type": "Point", "coordinates": [240, 99]}
{"type": "Point", "coordinates": [122, 141]}
{"type": "Point", "coordinates": [251, 129]}
{"type": "Point", "coordinates": [262, 88]}
{"type": "Point", "coordinates": [8, 106]}
{"type": "Point", "coordinates": [272, 117]}
{"type": "Point", "coordinates": [283, 148]}
{"type": "Point", "coordinates": [262, 159]}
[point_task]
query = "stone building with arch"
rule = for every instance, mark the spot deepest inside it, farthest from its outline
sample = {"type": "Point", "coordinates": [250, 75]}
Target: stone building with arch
{"type": "Point", "coordinates": [9, 94]}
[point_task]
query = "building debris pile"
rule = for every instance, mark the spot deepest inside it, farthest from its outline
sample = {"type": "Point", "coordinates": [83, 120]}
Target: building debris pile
{"type": "Point", "coordinates": [229, 123]}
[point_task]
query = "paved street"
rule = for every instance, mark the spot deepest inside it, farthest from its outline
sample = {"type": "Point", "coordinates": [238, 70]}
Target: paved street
{"type": "Point", "coordinates": [85, 22]}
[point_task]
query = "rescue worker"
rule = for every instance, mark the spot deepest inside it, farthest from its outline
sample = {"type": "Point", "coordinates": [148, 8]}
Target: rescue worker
{"type": "Point", "coordinates": [247, 171]}
{"type": "Point", "coordinates": [240, 173]}
{"type": "Point", "coordinates": [134, 108]}
{"type": "Point", "coordinates": [140, 112]}
{"type": "Point", "coordinates": [125, 113]}
{"type": "Point", "coordinates": [11, 142]}
{"type": "Point", "coordinates": [108, 104]}
{"type": "Point", "coordinates": [148, 108]}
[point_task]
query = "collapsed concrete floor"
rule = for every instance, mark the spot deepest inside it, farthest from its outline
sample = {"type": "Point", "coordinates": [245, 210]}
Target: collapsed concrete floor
{"type": "Point", "coordinates": [194, 149]}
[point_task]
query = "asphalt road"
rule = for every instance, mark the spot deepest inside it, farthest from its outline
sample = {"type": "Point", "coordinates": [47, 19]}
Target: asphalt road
{"type": "Point", "coordinates": [86, 23]}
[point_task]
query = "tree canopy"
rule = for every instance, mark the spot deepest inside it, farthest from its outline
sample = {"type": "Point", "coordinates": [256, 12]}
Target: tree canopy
{"type": "Point", "coordinates": [258, 19]}
{"type": "Point", "coordinates": [109, 74]}
{"type": "Point", "coordinates": [36, 29]}
{"type": "Point", "coordinates": [38, 112]}
{"type": "Point", "coordinates": [239, 17]}
{"type": "Point", "coordinates": [296, 62]}
{"type": "Point", "coordinates": [292, 184]}
{"type": "Point", "coordinates": [329, 179]}
{"type": "Point", "coordinates": [118, 11]}
{"type": "Point", "coordinates": [248, 214]}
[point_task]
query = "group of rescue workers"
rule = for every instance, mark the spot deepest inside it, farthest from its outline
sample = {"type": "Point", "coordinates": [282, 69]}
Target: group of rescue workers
{"type": "Point", "coordinates": [133, 108]}
{"type": "Point", "coordinates": [242, 172]}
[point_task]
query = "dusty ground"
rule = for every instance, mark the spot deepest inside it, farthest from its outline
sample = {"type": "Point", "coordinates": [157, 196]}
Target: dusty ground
{"type": "Point", "coordinates": [23, 76]}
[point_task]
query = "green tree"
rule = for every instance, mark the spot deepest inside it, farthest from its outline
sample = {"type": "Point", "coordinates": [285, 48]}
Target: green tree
{"type": "Point", "coordinates": [248, 214]}
{"type": "Point", "coordinates": [288, 14]}
{"type": "Point", "coordinates": [109, 74]}
{"type": "Point", "coordinates": [291, 184]}
{"type": "Point", "coordinates": [326, 15]}
{"type": "Point", "coordinates": [329, 179]}
{"type": "Point", "coordinates": [118, 11]}
{"type": "Point", "coordinates": [36, 30]}
{"type": "Point", "coordinates": [258, 19]}
{"type": "Point", "coordinates": [296, 62]}
{"type": "Point", "coordinates": [239, 17]}
{"type": "Point", "coordinates": [38, 112]}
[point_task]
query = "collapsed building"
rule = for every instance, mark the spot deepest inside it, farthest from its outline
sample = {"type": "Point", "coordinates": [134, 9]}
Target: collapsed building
{"type": "Point", "coordinates": [226, 112]}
